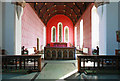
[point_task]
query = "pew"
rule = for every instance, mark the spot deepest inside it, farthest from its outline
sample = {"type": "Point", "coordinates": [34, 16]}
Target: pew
{"type": "Point", "coordinates": [19, 62]}
{"type": "Point", "coordinates": [102, 61]}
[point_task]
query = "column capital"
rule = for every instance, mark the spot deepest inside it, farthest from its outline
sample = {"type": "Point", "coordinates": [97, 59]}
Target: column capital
{"type": "Point", "coordinates": [97, 4]}
{"type": "Point", "coordinates": [22, 4]}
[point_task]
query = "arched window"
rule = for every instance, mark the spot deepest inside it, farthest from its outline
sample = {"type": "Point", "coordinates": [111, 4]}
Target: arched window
{"type": "Point", "coordinates": [66, 34]}
{"type": "Point", "coordinates": [81, 34]}
{"type": "Point", "coordinates": [60, 31]}
{"type": "Point", "coordinates": [53, 34]}
{"type": "Point", "coordinates": [75, 30]}
{"type": "Point", "coordinates": [95, 28]}
{"type": "Point", "coordinates": [44, 35]}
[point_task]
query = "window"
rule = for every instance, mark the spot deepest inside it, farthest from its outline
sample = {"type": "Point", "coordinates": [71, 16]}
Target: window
{"type": "Point", "coordinates": [60, 26]}
{"type": "Point", "coordinates": [44, 36]}
{"type": "Point", "coordinates": [66, 34]}
{"type": "Point", "coordinates": [53, 34]}
{"type": "Point", "coordinates": [81, 34]}
{"type": "Point", "coordinates": [95, 28]}
{"type": "Point", "coordinates": [75, 36]}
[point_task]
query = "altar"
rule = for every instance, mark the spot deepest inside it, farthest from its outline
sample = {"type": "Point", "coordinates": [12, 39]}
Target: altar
{"type": "Point", "coordinates": [58, 44]}
{"type": "Point", "coordinates": [53, 53]}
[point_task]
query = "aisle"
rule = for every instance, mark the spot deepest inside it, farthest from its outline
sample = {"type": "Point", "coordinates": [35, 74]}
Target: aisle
{"type": "Point", "coordinates": [51, 69]}
{"type": "Point", "coordinates": [57, 69]}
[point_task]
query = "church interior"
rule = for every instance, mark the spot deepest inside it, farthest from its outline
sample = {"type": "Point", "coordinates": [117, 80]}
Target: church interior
{"type": "Point", "coordinates": [60, 40]}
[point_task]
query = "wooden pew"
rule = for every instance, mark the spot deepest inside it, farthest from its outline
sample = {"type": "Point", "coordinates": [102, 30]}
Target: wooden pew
{"type": "Point", "coordinates": [21, 62]}
{"type": "Point", "coordinates": [101, 60]}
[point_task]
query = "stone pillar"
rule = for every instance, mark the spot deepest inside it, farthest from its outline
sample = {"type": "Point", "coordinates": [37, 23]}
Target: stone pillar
{"type": "Point", "coordinates": [102, 12]}
{"type": "Point", "coordinates": [108, 25]}
{"type": "Point", "coordinates": [18, 28]}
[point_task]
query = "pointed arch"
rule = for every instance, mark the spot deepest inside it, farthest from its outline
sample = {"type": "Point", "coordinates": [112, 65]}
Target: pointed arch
{"type": "Point", "coordinates": [66, 34]}
{"type": "Point", "coordinates": [75, 33]}
{"type": "Point", "coordinates": [95, 27]}
{"type": "Point", "coordinates": [53, 34]}
{"type": "Point", "coordinates": [81, 34]}
{"type": "Point", "coordinates": [60, 32]}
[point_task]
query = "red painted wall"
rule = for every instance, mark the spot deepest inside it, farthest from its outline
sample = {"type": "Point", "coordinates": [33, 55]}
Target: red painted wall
{"type": "Point", "coordinates": [87, 39]}
{"type": "Point", "coordinates": [32, 28]}
{"type": "Point", "coordinates": [53, 22]}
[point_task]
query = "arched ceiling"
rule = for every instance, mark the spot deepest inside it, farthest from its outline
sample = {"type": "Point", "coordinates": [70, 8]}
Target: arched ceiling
{"type": "Point", "coordinates": [46, 10]}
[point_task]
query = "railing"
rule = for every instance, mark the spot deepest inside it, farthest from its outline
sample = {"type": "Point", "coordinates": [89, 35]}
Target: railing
{"type": "Point", "coordinates": [99, 62]}
{"type": "Point", "coordinates": [27, 62]}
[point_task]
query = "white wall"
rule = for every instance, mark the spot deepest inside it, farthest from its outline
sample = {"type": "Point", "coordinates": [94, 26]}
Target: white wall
{"type": "Point", "coordinates": [0, 26]}
{"type": "Point", "coordinates": [8, 28]}
{"type": "Point", "coordinates": [102, 29]}
{"type": "Point", "coordinates": [108, 26]}
{"type": "Point", "coordinates": [112, 27]}
{"type": "Point", "coordinates": [0, 38]}
{"type": "Point", "coordinates": [119, 20]}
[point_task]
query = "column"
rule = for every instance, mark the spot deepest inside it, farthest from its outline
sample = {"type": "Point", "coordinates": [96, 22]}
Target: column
{"type": "Point", "coordinates": [11, 17]}
{"type": "Point", "coordinates": [108, 25]}
{"type": "Point", "coordinates": [18, 28]}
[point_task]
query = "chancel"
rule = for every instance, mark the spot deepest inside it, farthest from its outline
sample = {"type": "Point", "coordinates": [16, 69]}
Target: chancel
{"type": "Point", "coordinates": [60, 40]}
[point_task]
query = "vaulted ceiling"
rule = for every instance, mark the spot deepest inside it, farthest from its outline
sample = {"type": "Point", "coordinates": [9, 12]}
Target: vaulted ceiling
{"type": "Point", "coordinates": [46, 10]}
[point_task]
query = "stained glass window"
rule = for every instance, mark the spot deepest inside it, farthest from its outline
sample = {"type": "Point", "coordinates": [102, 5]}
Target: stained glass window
{"type": "Point", "coordinates": [66, 34]}
{"type": "Point", "coordinates": [59, 32]}
{"type": "Point", "coordinates": [53, 35]}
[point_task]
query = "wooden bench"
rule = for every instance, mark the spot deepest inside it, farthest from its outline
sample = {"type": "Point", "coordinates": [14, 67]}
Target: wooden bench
{"type": "Point", "coordinates": [101, 60]}
{"type": "Point", "coordinates": [21, 62]}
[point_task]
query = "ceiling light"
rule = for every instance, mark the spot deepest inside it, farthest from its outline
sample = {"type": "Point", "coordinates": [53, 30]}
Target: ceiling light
{"type": "Point", "coordinates": [64, 5]}
{"type": "Point", "coordinates": [76, 15]}
{"type": "Point", "coordinates": [36, 3]}
{"type": "Point", "coordinates": [63, 10]}
{"type": "Point", "coordinates": [73, 3]}
{"type": "Point", "coordinates": [47, 9]}
{"type": "Point", "coordinates": [45, 3]}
